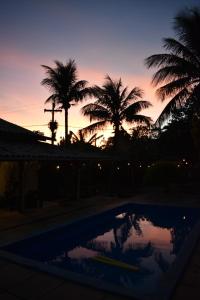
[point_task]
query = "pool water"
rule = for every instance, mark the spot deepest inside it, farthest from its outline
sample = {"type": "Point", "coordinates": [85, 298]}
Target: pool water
{"type": "Point", "coordinates": [145, 236]}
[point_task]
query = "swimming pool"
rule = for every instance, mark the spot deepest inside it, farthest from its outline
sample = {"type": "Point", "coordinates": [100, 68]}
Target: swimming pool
{"type": "Point", "coordinates": [134, 249]}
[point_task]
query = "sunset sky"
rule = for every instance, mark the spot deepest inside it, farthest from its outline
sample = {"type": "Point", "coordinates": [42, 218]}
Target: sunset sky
{"type": "Point", "coordinates": [104, 37]}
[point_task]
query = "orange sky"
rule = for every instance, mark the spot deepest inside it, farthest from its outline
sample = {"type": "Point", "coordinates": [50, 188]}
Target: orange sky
{"type": "Point", "coordinates": [25, 96]}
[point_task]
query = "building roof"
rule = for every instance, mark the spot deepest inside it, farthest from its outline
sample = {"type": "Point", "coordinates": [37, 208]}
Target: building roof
{"type": "Point", "coordinates": [21, 150]}
{"type": "Point", "coordinates": [12, 131]}
{"type": "Point", "coordinates": [18, 143]}
{"type": "Point", "coordinates": [29, 151]}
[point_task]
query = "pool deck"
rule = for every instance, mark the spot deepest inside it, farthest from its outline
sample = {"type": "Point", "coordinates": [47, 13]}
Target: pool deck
{"type": "Point", "coordinates": [20, 282]}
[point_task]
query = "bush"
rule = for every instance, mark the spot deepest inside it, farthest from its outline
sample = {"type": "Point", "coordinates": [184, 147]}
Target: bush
{"type": "Point", "coordinates": [163, 173]}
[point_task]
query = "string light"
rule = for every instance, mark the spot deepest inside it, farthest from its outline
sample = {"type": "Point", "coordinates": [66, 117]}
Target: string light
{"type": "Point", "coordinates": [99, 166]}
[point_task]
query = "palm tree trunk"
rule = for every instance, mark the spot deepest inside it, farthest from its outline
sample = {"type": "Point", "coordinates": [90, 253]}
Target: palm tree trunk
{"type": "Point", "coordinates": [66, 126]}
{"type": "Point", "coordinates": [116, 137]}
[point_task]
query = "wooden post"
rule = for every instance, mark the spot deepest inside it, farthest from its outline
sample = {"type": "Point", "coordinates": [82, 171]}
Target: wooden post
{"type": "Point", "coordinates": [53, 110]}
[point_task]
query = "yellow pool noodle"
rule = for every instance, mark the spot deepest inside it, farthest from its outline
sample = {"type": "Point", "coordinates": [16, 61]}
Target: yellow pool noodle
{"type": "Point", "coordinates": [116, 263]}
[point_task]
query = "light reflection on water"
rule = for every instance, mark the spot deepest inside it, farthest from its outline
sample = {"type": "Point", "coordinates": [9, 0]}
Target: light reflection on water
{"type": "Point", "coordinates": [135, 240]}
{"type": "Point", "coordinates": [149, 238]}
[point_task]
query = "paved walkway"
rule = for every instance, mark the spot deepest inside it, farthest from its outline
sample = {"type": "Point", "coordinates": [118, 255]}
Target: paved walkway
{"type": "Point", "coordinates": [19, 282]}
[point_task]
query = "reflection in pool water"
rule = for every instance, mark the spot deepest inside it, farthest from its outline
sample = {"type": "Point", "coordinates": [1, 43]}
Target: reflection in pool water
{"type": "Point", "coordinates": [148, 237]}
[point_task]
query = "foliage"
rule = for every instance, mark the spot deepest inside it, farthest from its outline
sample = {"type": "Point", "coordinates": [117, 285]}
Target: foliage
{"type": "Point", "coordinates": [65, 88]}
{"type": "Point", "coordinates": [124, 143]}
{"type": "Point", "coordinates": [114, 105]}
{"type": "Point", "coordinates": [176, 140]}
{"type": "Point", "coordinates": [81, 138]}
{"type": "Point", "coordinates": [179, 68]}
{"type": "Point", "coordinates": [53, 125]}
{"type": "Point", "coordinates": [141, 131]}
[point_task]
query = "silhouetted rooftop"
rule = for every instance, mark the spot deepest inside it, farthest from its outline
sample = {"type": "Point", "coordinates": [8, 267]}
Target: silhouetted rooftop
{"type": "Point", "coordinates": [27, 150]}
{"type": "Point", "coordinates": [10, 130]}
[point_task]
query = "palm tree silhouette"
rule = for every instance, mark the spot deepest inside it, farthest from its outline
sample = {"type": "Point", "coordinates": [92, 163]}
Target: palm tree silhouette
{"type": "Point", "coordinates": [179, 69]}
{"type": "Point", "coordinates": [113, 105]}
{"type": "Point", "coordinates": [65, 88]}
{"type": "Point", "coordinates": [81, 138]}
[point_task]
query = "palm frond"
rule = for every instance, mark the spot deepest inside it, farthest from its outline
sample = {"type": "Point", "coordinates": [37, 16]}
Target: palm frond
{"type": "Point", "coordinates": [141, 119]}
{"type": "Point", "coordinates": [95, 112]}
{"type": "Point", "coordinates": [49, 71]}
{"type": "Point", "coordinates": [179, 49]}
{"type": "Point", "coordinates": [169, 73]}
{"type": "Point", "coordinates": [129, 112]}
{"type": "Point", "coordinates": [179, 69]}
{"type": "Point", "coordinates": [172, 88]}
{"type": "Point", "coordinates": [96, 91]}
{"type": "Point", "coordinates": [95, 126]}
{"type": "Point", "coordinates": [77, 95]}
{"type": "Point", "coordinates": [80, 84]}
{"type": "Point", "coordinates": [187, 24]}
{"type": "Point", "coordinates": [133, 95]}
{"type": "Point", "coordinates": [94, 138]}
{"type": "Point", "coordinates": [124, 94]}
{"type": "Point", "coordinates": [109, 81]}
{"type": "Point", "coordinates": [52, 98]}
{"type": "Point", "coordinates": [73, 137]}
{"type": "Point", "coordinates": [176, 103]}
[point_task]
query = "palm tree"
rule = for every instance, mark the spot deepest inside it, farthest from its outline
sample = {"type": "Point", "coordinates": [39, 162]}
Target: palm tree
{"type": "Point", "coordinates": [113, 105]}
{"type": "Point", "coordinates": [65, 88]}
{"type": "Point", "coordinates": [81, 138]}
{"type": "Point", "coordinates": [179, 69]}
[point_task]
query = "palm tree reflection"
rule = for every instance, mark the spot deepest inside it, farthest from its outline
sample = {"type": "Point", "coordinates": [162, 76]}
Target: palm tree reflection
{"type": "Point", "coordinates": [124, 250]}
{"type": "Point", "coordinates": [161, 261]}
{"type": "Point", "coordinates": [130, 237]}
